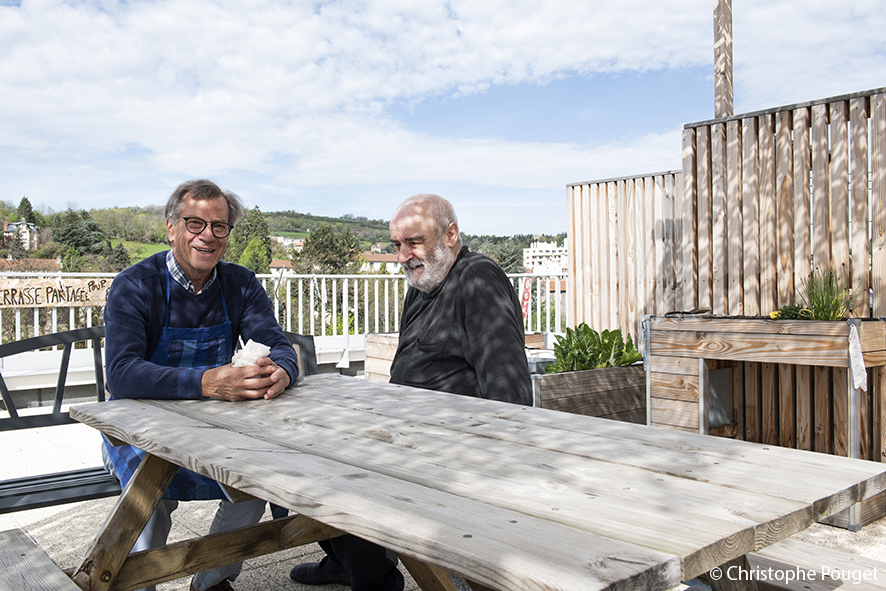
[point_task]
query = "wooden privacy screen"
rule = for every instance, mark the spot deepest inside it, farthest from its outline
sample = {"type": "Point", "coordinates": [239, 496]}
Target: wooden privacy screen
{"type": "Point", "coordinates": [779, 192]}
{"type": "Point", "coordinates": [762, 200]}
{"type": "Point", "coordinates": [624, 254]}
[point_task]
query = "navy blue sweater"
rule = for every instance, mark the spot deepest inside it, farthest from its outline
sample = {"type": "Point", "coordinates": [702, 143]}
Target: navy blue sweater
{"type": "Point", "coordinates": [136, 310]}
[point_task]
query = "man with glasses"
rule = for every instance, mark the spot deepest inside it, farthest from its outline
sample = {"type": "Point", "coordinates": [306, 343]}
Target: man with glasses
{"type": "Point", "coordinates": [171, 324]}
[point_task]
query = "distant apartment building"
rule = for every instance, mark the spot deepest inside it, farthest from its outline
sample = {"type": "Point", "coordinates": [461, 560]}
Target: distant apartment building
{"type": "Point", "coordinates": [295, 243]}
{"type": "Point", "coordinates": [372, 263]}
{"type": "Point", "coordinates": [24, 231]}
{"type": "Point", "coordinates": [546, 257]}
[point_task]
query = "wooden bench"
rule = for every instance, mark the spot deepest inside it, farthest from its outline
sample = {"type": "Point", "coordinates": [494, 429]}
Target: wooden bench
{"type": "Point", "coordinates": [24, 566]}
{"type": "Point", "coordinates": [19, 494]}
{"type": "Point", "coordinates": [815, 568]}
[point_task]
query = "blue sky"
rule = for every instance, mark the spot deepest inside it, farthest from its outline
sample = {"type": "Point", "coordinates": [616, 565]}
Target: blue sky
{"type": "Point", "coordinates": [350, 106]}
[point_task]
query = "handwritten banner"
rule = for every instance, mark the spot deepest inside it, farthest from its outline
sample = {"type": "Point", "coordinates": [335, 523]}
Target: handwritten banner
{"type": "Point", "coordinates": [54, 293]}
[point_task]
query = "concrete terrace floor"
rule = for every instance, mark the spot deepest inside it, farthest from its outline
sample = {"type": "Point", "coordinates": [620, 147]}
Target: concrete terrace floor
{"type": "Point", "coordinates": [66, 532]}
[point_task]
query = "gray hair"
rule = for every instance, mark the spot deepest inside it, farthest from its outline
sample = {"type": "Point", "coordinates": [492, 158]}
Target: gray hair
{"type": "Point", "coordinates": [440, 210]}
{"type": "Point", "coordinates": [200, 189]}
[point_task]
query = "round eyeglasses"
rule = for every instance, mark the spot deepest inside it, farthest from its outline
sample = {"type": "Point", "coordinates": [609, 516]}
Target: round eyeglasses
{"type": "Point", "coordinates": [197, 225]}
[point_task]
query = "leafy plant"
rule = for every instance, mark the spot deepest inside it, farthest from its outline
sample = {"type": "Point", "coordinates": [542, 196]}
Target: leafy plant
{"type": "Point", "coordinates": [823, 296]}
{"type": "Point", "coordinates": [585, 348]}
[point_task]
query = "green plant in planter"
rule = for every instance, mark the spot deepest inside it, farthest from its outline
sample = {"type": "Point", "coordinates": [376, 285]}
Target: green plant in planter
{"type": "Point", "coordinates": [585, 348]}
{"type": "Point", "coordinates": [823, 296]}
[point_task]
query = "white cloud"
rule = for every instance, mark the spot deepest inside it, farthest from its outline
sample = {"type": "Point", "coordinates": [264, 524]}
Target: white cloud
{"type": "Point", "coordinates": [102, 94]}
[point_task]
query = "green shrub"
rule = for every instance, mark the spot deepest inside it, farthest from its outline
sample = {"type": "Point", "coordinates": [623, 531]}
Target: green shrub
{"type": "Point", "coordinates": [585, 348]}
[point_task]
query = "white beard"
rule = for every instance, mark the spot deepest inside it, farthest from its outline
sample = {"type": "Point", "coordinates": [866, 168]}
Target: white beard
{"type": "Point", "coordinates": [433, 270]}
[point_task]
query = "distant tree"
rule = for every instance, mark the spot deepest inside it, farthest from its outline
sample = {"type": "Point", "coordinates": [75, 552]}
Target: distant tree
{"type": "Point", "coordinates": [116, 259]}
{"type": "Point", "coordinates": [49, 250]}
{"type": "Point", "coordinates": [17, 250]}
{"type": "Point", "coordinates": [253, 226]}
{"type": "Point", "coordinates": [8, 210]}
{"type": "Point", "coordinates": [79, 231]}
{"type": "Point", "coordinates": [26, 212]}
{"type": "Point", "coordinates": [328, 251]}
{"type": "Point", "coordinates": [255, 258]}
{"type": "Point", "coordinates": [72, 261]}
{"type": "Point", "coordinates": [506, 252]}
{"type": "Point", "coordinates": [509, 256]}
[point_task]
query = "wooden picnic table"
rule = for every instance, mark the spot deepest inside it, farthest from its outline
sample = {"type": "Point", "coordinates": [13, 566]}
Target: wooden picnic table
{"type": "Point", "coordinates": [511, 498]}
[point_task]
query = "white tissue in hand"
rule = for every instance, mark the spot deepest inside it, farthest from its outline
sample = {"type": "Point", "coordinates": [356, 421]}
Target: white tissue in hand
{"type": "Point", "coordinates": [249, 354]}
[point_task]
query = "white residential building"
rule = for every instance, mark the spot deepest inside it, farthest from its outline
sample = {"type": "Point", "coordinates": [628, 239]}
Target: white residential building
{"type": "Point", "coordinates": [296, 243]}
{"type": "Point", "coordinates": [25, 231]}
{"type": "Point", "coordinates": [546, 257]}
{"type": "Point", "coordinates": [373, 261]}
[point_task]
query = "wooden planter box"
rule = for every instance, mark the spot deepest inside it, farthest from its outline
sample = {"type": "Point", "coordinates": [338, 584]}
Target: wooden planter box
{"type": "Point", "coordinates": [792, 385]}
{"type": "Point", "coordinates": [617, 393]}
{"type": "Point", "coordinates": [681, 351]}
{"type": "Point", "coordinates": [380, 350]}
{"type": "Point", "coordinates": [798, 342]}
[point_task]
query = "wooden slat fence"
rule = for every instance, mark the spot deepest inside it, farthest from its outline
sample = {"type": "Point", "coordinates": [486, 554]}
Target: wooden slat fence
{"type": "Point", "coordinates": [624, 253]}
{"type": "Point", "coordinates": [762, 199]}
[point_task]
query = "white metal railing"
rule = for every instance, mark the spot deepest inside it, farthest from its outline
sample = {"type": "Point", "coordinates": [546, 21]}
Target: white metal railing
{"type": "Point", "coordinates": [320, 305]}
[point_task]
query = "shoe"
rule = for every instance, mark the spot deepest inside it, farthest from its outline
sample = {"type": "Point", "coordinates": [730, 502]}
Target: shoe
{"type": "Point", "coordinates": [325, 572]}
{"type": "Point", "coordinates": [225, 585]}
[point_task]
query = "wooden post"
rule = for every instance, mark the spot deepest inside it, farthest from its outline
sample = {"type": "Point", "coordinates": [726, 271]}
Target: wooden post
{"type": "Point", "coordinates": [723, 58]}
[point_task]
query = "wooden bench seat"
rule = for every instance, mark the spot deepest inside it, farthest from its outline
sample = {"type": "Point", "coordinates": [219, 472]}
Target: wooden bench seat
{"type": "Point", "coordinates": [832, 569]}
{"type": "Point", "coordinates": [24, 566]}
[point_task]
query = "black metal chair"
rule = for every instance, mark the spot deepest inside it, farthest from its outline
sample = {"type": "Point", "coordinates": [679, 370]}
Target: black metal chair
{"type": "Point", "coordinates": [94, 334]}
{"type": "Point", "coordinates": [307, 354]}
{"type": "Point", "coordinates": [46, 490]}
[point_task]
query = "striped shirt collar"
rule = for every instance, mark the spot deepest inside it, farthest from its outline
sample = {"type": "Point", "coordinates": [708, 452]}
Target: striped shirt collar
{"type": "Point", "coordinates": [179, 275]}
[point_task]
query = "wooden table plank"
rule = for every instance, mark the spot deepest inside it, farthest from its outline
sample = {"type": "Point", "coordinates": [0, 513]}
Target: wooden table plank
{"type": "Point", "coordinates": [570, 489]}
{"type": "Point", "coordinates": [725, 462]}
{"type": "Point", "coordinates": [471, 486]}
{"type": "Point", "coordinates": [496, 547]}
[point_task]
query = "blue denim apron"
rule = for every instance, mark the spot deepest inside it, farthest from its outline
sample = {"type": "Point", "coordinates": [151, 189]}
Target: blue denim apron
{"type": "Point", "coordinates": [196, 348]}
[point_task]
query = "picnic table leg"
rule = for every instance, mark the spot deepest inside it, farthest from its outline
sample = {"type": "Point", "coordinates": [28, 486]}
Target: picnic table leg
{"type": "Point", "coordinates": [189, 557]}
{"type": "Point", "coordinates": [125, 523]}
{"type": "Point", "coordinates": [732, 576]}
{"type": "Point", "coordinates": [432, 578]}
{"type": "Point", "coordinates": [428, 577]}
